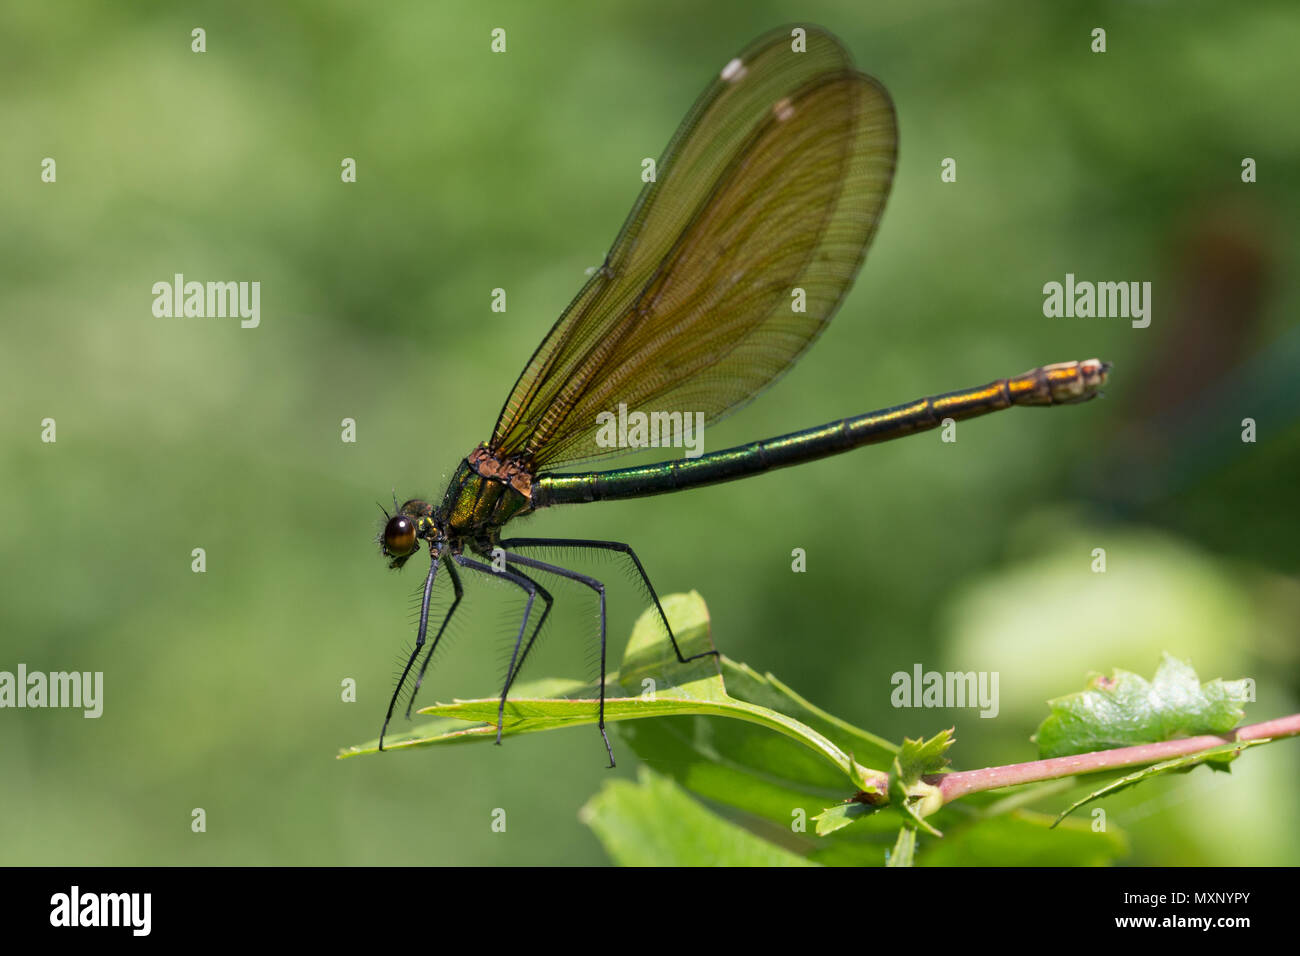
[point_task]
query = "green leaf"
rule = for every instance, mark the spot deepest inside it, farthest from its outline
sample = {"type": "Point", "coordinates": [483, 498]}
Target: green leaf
{"type": "Point", "coordinates": [1217, 758]}
{"type": "Point", "coordinates": [904, 851]}
{"type": "Point", "coordinates": [656, 685]}
{"type": "Point", "coordinates": [738, 763]}
{"type": "Point", "coordinates": [916, 758]}
{"type": "Point", "coordinates": [1126, 709]}
{"type": "Point", "coordinates": [766, 691]}
{"type": "Point", "coordinates": [839, 816]}
{"type": "Point", "coordinates": [653, 822]}
{"type": "Point", "coordinates": [907, 790]}
{"type": "Point", "coordinates": [747, 767]}
{"type": "Point", "coordinates": [1024, 838]}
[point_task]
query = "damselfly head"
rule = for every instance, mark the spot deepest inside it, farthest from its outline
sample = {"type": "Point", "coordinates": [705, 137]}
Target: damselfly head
{"type": "Point", "coordinates": [402, 532]}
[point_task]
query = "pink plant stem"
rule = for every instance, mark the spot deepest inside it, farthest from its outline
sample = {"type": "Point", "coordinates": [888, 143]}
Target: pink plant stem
{"type": "Point", "coordinates": [963, 782]}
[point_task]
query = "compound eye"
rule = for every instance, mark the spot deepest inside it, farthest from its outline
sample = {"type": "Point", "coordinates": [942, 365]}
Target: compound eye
{"type": "Point", "coordinates": [399, 536]}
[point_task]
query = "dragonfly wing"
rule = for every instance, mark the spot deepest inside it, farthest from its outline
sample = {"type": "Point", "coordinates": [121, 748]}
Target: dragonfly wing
{"type": "Point", "coordinates": [730, 263]}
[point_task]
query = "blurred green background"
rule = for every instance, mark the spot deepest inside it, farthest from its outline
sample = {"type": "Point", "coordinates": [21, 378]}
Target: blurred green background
{"type": "Point", "coordinates": [478, 171]}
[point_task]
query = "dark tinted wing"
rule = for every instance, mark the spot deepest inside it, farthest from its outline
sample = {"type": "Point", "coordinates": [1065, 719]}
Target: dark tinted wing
{"type": "Point", "coordinates": [774, 182]}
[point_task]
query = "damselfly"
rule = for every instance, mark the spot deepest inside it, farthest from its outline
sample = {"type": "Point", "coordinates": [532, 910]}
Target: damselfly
{"type": "Point", "coordinates": [733, 260]}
